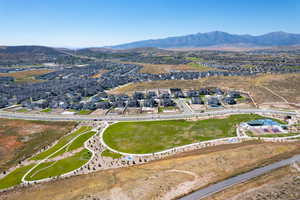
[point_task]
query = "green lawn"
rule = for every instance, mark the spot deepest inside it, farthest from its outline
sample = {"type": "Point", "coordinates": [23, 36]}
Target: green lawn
{"type": "Point", "coordinates": [60, 167]}
{"type": "Point", "coordinates": [77, 143]}
{"type": "Point", "coordinates": [46, 110]}
{"type": "Point", "coordinates": [162, 109]}
{"type": "Point", "coordinates": [84, 112]}
{"type": "Point", "coordinates": [62, 142]}
{"type": "Point", "coordinates": [154, 136]}
{"type": "Point", "coordinates": [22, 110]}
{"type": "Point", "coordinates": [108, 153]}
{"type": "Point", "coordinates": [15, 177]}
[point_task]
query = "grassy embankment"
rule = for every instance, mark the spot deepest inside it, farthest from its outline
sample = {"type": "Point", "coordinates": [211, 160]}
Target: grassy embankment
{"type": "Point", "coordinates": [77, 143]}
{"type": "Point", "coordinates": [53, 169]}
{"type": "Point", "coordinates": [61, 143]}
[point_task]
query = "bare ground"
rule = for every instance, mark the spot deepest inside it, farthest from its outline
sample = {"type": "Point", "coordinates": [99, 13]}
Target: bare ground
{"type": "Point", "coordinates": [21, 138]}
{"type": "Point", "coordinates": [163, 179]}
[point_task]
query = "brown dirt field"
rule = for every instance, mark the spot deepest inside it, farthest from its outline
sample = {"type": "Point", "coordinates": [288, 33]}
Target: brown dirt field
{"type": "Point", "coordinates": [286, 85]}
{"type": "Point", "coordinates": [163, 179]}
{"type": "Point", "coordinates": [281, 184]}
{"type": "Point", "coordinates": [20, 138]}
{"type": "Point", "coordinates": [26, 76]}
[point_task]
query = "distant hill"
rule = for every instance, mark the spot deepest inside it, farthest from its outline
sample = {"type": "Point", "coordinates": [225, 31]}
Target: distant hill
{"type": "Point", "coordinates": [218, 38]}
{"type": "Point", "coordinates": [34, 55]}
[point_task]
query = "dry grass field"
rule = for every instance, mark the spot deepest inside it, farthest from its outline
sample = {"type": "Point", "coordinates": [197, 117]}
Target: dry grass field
{"type": "Point", "coordinates": [19, 139]}
{"type": "Point", "coordinates": [281, 184]}
{"type": "Point", "coordinates": [27, 76]}
{"type": "Point", "coordinates": [286, 85]}
{"type": "Point", "coordinates": [163, 179]}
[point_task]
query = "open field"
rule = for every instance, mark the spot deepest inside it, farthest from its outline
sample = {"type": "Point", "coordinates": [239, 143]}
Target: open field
{"type": "Point", "coordinates": [61, 143]}
{"type": "Point", "coordinates": [154, 136]}
{"type": "Point", "coordinates": [52, 169]}
{"type": "Point", "coordinates": [281, 184]}
{"type": "Point", "coordinates": [286, 85]}
{"type": "Point", "coordinates": [163, 179]}
{"type": "Point", "coordinates": [19, 139]}
{"type": "Point", "coordinates": [27, 76]}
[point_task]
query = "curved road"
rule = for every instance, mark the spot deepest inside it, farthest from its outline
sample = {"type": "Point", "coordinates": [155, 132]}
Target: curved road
{"type": "Point", "coordinates": [27, 116]}
{"type": "Point", "coordinates": [212, 189]}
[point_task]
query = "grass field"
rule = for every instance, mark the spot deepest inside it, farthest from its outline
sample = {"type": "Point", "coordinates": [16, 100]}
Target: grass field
{"type": "Point", "coordinates": [84, 112]}
{"type": "Point", "coordinates": [61, 143]}
{"type": "Point", "coordinates": [108, 153]}
{"type": "Point", "coordinates": [154, 136]}
{"type": "Point", "coordinates": [46, 110]}
{"type": "Point", "coordinates": [168, 108]}
{"type": "Point", "coordinates": [77, 143]}
{"type": "Point", "coordinates": [15, 177]}
{"type": "Point", "coordinates": [22, 110]}
{"type": "Point", "coordinates": [60, 167]}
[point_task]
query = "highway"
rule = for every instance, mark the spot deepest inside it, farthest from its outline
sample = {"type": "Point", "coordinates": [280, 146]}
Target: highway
{"type": "Point", "coordinates": [212, 189]}
{"type": "Point", "coordinates": [52, 117]}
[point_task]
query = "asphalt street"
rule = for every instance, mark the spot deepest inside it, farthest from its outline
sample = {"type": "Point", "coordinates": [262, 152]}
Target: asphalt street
{"type": "Point", "coordinates": [212, 189]}
{"type": "Point", "coordinates": [61, 117]}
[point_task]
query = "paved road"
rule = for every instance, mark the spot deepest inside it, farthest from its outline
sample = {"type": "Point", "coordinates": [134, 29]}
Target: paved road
{"type": "Point", "coordinates": [205, 192]}
{"type": "Point", "coordinates": [45, 116]}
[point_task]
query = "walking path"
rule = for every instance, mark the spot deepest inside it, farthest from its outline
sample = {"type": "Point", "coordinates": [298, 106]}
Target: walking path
{"type": "Point", "coordinates": [276, 94]}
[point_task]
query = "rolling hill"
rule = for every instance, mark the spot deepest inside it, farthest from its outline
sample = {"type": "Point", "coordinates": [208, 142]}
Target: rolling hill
{"type": "Point", "coordinates": [218, 38]}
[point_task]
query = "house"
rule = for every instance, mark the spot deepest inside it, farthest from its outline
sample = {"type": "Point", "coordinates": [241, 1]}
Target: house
{"type": "Point", "coordinates": [133, 103]}
{"type": "Point", "coordinates": [103, 105]}
{"type": "Point", "coordinates": [150, 103]}
{"type": "Point", "coordinates": [119, 104]}
{"type": "Point", "coordinates": [164, 96]}
{"type": "Point", "coordinates": [203, 91]}
{"type": "Point", "coordinates": [196, 100]}
{"type": "Point", "coordinates": [151, 94]}
{"type": "Point", "coordinates": [138, 96]}
{"type": "Point", "coordinates": [167, 102]}
{"type": "Point", "coordinates": [234, 94]}
{"type": "Point", "coordinates": [218, 91]}
{"type": "Point", "coordinates": [229, 100]}
{"type": "Point", "coordinates": [176, 93]}
{"type": "Point", "coordinates": [213, 102]}
{"type": "Point", "coordinates": [192, 93]}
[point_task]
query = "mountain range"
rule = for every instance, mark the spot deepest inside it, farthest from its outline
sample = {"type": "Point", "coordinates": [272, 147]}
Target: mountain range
{"type": "Point", "coordinates": [217, 38]}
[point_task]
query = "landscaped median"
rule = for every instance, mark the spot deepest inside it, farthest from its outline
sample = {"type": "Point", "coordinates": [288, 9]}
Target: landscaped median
{"type": "Point", "coordinates": [155, 136]}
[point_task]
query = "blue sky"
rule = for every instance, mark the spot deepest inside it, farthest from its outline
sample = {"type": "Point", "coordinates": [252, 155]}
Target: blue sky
{"type": "Point", "coordinates": [83, 23]}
